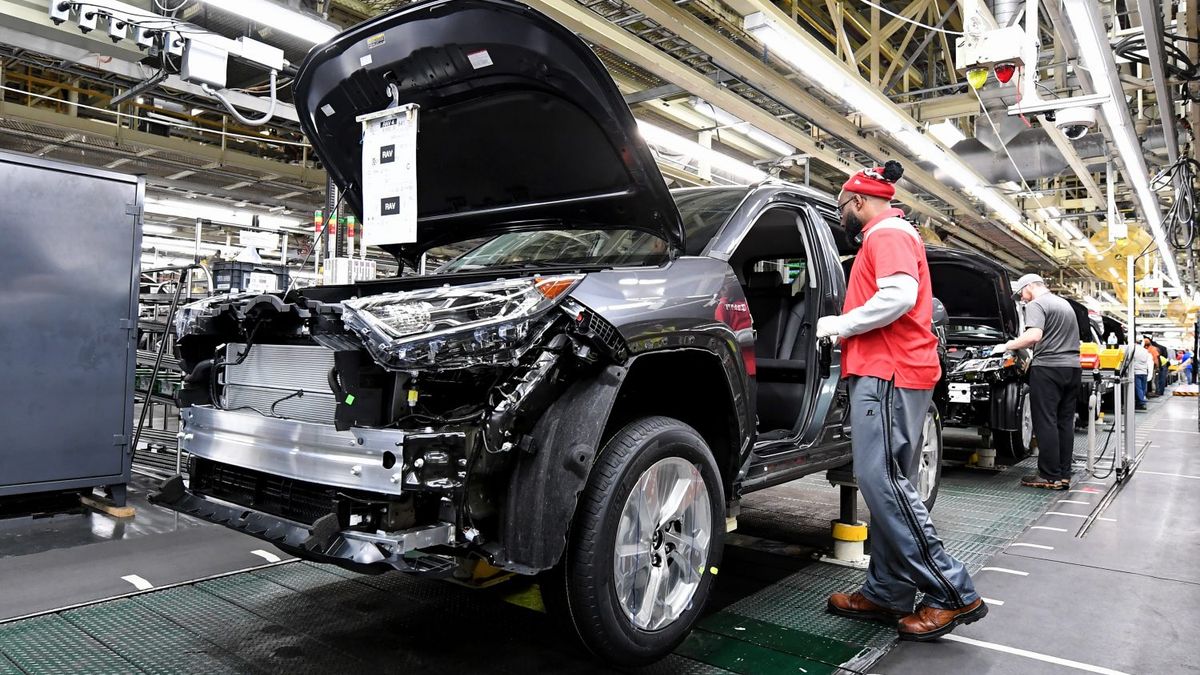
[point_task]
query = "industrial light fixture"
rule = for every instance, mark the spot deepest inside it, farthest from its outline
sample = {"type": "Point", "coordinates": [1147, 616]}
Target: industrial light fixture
{"type": "Point", "coordinates": [977, 77]}
{"type": "Point", "coordinates": [947, 132]}
{"type": "Point", "coordinates": [1073, 229]}
{"type": "Point", "coordinates": [1004, 72]}
{"type": "Point", "coordinates": [659, 137]}
{"type": "Point", "coordinates": [807, 56]}
{"type": "Point", "coordinates": [151, 228]}
{"type": "Point", "coordinates": [177, 246]}
{"type": "Point", "coordinates": [1098, 59]}
{"type": "Point", "coordinates": [742, 127]}
{"type": "Point", "coordinates": [191, 210]}
{"type": "Point", "coordinates": [278, 17]}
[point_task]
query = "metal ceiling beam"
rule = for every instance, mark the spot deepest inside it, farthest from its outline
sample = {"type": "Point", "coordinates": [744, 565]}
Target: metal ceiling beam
{"type": "Point", "coordinates": [733, 58]}
{"type": "Point", "coordinates": [1152, 27]}
{"type": "Point", "coordinates": [32, 30]}
{"type": "Point", "coordinates": [1081, 172]}
{"type": "Point", "coordinates": [123, 135]}
{"type": "Point", "coordinates": [619, 41]}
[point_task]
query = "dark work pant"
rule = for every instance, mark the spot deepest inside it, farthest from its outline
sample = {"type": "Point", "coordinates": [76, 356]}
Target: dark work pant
{"type": "Point", "coordinates": [1052, 395]}
{"type": "Point", "coordinates": [1163, 371]}
{"type": "Point", "coordinates": [886, 425]}
{"type": "Point", "coordinates": [1139, 382]}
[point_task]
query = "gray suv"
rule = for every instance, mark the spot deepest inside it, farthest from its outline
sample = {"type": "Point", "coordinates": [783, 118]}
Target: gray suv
{"type": "Point", "coordinates": [585, 394]}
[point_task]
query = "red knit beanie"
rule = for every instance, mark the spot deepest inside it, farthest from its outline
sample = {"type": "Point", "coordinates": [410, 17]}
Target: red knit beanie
{"type": "Point", "coordinates": [877, 182]}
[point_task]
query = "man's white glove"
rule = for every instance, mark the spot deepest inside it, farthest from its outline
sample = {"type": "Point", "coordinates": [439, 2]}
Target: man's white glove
{"type": "Point", "coordinates": [999, 350]}
{"type": "Point", "coordinates": [829, 327]}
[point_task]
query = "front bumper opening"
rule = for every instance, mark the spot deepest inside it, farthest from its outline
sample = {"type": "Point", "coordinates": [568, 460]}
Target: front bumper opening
{"type": "Point", "coordinates": [308, 520]}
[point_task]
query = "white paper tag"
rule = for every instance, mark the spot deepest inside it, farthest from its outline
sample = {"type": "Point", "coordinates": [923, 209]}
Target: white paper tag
{"type": "Point", "coordinates": [480, 59]}
{"type": "Point", "coordinates": [365, 60]}
{"type": "Point", "coordinates": [260, 282]}
{"type": "Point", "coordinates": [389, 176]}
{"type": "Point", "coordinates": [327, 109]}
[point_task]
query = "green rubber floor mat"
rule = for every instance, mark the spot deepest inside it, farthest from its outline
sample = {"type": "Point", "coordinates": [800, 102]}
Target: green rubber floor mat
{"type": "Point", "coordinates": [300, 618]}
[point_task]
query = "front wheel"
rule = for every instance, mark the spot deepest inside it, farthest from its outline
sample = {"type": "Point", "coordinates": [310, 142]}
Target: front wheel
{"type": "Point", "coordinates": [645, 544]}
{"type": "Point", "coordinates": [1017, 445]}
{"type": "Point", "coordinates": [929, 468]}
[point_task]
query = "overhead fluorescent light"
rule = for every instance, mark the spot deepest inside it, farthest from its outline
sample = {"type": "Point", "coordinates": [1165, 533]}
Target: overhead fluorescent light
{"type": "Point", "coordinates": [191, 209]}
{"type": "Point", "coordinates": [151, 228]}
{"type": "Point", "coordinates": [1097, 58]}
{"type": "Point", "coordinates": [742, 127]}
{"type": "Point", "coordinates": [1073, 229]}
{"type": "Point", "coordinates": [947, 132]}
{"type": "Point", "coordinates": [657, 136]}
{"type": "Point", "coordinates": [807, 56]}
{"type": "Point", "coordinates": [177, 246]}
{"type": "Point", "coordinates": [278, 17]}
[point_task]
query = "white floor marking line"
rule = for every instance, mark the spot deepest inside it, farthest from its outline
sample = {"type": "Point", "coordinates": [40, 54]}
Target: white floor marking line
{"type": "Point", "coordinates": [1005, 571]}
{"type": "Point", "coordinates": [1069, 515]}
{"type": "Point", "coordinates": [266, 555]}
{"type": "Point", "coordinates": [1091, 482]}
{"type": "Point", "coordinates": [1176, 475]}
{"type": "Point", "coordinates": [1107, 520]}
{"type": "Point", "coordinates": [1177, 431]}
{"type": "Point", "coordinates": [1073, 501]}
{"type": "Point", "coordinates": [1087, 667]}
{"type": "Point", "coordinates": [1045, 527]}
{"type": "Point", "coordinates": [996, 603]}
{"type": "Point", "coordinates": [138, 582]}
{"type": "Point", "coordinates": [1044, 548]}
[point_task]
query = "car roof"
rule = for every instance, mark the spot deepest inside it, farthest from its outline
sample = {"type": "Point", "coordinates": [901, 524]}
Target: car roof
{"type": "Point", "coordinates": [775, 186]}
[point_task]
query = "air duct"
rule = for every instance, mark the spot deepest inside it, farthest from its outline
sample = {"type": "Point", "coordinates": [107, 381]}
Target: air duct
{"type": "Point", "coordinates": [1006, 11]}
{"type": "Point", "coordinates": [1035, 154]}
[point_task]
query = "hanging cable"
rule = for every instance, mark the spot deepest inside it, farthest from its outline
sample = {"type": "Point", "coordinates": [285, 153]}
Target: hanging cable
{"type": "Point", "coordinates": [237, 115]}
{"type": "Point", "coordinates": [914, 22]}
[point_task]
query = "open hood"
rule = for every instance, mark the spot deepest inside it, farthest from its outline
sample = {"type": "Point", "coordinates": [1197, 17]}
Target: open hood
{"type": "Point", "coordinates": [974, 289]}
{"type": "Point", "coordinates": [520, 125]}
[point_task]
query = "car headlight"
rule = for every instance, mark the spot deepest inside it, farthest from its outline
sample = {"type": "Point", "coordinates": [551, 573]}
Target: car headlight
{"type": "Point", "coordinates": [455, 326]}
{"type": "Point", "coordinates": [186, 316]}
{"type": "Point", "coordinates": [968, 365]}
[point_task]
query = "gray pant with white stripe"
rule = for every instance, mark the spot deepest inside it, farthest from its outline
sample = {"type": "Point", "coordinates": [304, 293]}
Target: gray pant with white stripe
{"type": "Point", "coordinates": [906, 554]}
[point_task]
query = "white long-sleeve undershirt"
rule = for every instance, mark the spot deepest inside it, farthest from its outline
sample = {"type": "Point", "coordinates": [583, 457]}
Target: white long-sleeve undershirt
{"type": "Point", "coordinates": [897, 295]}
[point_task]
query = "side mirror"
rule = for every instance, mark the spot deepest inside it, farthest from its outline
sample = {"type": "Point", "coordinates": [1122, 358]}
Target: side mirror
{"type": "Point", "coordinates": [940, 318]}
{"type": "Point", "coordinates": [825, 359]}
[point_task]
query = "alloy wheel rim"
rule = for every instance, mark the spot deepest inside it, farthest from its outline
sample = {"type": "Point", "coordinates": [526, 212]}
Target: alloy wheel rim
{"type": "Point", "coordinates": [1026, 423]}
{"type": "Point", "coordinates": [662, 543]}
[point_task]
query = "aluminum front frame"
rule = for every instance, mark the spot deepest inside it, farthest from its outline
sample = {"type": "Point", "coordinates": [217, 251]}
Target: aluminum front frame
{"type": "Point", "coordinates": [306, 451]}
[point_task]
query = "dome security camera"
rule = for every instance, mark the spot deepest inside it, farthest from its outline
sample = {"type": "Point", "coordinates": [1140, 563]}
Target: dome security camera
{"type": "Point", "coordinates": [1075, 122]}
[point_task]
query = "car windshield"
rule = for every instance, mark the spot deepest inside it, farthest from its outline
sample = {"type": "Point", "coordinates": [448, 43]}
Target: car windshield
{"type": "Point", "coordinates": [539, 248]}
{"type": "Point", "coordinates": [702, 210]}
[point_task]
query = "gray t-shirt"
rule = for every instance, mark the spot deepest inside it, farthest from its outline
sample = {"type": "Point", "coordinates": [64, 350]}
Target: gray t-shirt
{"type": "Point", "coordinates": [1059, 346]}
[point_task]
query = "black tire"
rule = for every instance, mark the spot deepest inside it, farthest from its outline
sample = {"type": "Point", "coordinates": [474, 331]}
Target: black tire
{"type": "Point", "coordinates": [936, 463]}
{"type": "Point", "coordinates": [1013, 446]}
{"type": "Point", "coordinates": [582, 590]}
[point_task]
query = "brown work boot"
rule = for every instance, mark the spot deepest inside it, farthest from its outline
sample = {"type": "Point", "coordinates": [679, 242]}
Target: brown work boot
{"type": "Point", "coordinates": [857, 606]}
{"type": "Point", "coordinates": [930, 623]}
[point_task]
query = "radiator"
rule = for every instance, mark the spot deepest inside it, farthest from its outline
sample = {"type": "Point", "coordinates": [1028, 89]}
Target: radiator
{"type": "Point", "coordinates": [271, 373]}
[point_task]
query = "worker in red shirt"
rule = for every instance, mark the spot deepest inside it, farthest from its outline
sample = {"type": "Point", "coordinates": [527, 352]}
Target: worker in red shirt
{"type": "Point", "coordinates": [889, 354]}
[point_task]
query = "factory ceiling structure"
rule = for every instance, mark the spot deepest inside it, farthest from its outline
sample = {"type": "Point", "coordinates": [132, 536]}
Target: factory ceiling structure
{"type": "Point", "coordinates": [725, 91]}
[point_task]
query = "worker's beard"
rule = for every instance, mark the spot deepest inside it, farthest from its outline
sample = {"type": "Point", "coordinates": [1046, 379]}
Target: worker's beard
{"type": "Point", "coordinates": [854, 228]}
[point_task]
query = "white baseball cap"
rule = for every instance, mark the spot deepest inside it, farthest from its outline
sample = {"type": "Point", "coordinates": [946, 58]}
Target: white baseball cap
{"type": "Point", "coordinates": [1025, 281]}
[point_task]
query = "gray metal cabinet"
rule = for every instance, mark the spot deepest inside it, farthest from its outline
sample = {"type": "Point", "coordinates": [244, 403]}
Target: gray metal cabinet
{"type": "Point", "coordinates": [70, 252]}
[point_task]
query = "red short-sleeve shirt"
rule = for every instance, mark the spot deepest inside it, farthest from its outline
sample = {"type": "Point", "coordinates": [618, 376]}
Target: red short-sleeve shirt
{"type": "Point", "coordinates": [906, 349]}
